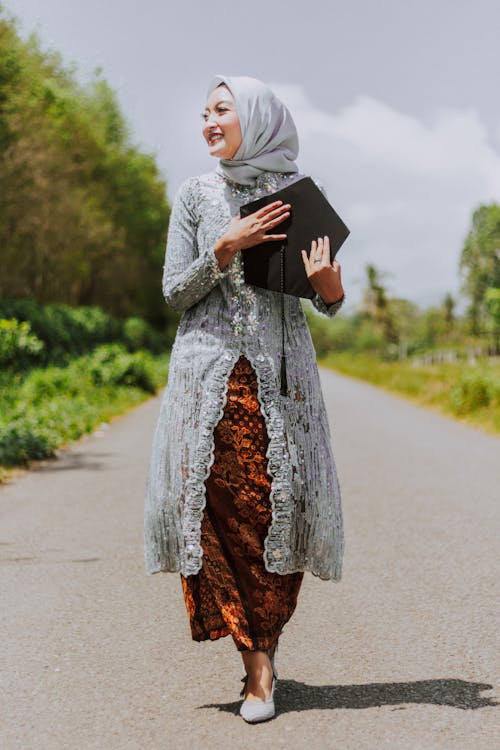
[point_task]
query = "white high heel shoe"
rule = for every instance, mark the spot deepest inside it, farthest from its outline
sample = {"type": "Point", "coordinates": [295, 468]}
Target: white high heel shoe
{"type": "Point", "coordinates": [254, 711]}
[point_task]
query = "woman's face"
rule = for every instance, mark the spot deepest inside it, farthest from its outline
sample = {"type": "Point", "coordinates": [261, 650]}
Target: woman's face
{"type": "Point", "coordinates": [221, 124]}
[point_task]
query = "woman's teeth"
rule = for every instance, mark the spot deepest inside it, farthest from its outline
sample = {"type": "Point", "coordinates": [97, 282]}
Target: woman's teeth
{"type": "Point", "coordinates": [214, 138]}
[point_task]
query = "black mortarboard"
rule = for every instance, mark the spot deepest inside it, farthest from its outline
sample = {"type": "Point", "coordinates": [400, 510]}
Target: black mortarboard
{"type": "Point", "coordinates": [278, 265]}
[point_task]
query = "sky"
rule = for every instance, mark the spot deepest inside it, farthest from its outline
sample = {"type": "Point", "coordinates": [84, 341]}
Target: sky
{"type": "Point", "coordinates": [395, 102]}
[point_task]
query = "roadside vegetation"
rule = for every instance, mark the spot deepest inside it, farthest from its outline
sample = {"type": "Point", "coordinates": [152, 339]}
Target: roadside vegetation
{"type": "Point", "coordinates": [65, 371]}
{"type": "Point", "coordinates": [84, 330]}
{"type": "Point", "coordinates": [468, 392]}
{"type": "Point", "coordinates": [433, 356]}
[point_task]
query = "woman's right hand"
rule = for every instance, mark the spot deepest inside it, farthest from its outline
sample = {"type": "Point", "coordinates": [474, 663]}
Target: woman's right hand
{"type": "Point", "coordinates": [251, 230]}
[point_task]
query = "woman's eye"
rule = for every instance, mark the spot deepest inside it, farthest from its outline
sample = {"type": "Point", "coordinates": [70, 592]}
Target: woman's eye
{"type": "Point", "coordinates": [219, 109]}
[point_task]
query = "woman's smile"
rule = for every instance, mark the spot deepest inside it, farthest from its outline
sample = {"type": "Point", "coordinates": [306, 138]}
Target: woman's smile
{"type": "Point", "coordinates": [214, 138]}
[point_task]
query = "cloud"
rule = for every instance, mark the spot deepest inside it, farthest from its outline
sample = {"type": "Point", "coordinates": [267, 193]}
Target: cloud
{"type": "Point", "coordinates": [406, 188]}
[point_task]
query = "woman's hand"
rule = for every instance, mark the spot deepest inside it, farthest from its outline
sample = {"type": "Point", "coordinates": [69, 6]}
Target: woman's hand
{"type": "Point", "coordinates": [251, 230]}
{"type": "Point", "coordinates": [323, 276]}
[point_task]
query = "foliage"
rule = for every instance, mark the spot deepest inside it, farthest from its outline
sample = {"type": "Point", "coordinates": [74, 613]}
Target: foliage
{"type": "Point", "coordinates": [51, 406]}
{"type": "Point", "coordinates": [138, 334]}
{"type": "Point", "coordinates": [84, 217]}
{"type": "Point", "coordinates": [63, 329]}
{"type": "Point", "coordinates": [475, 390]}
{"type": "Point", "coordinates": [377, 305]}
{"type": "Point", "coordinates": [64, 332]}
{"type": "Point", "coordinates": [65, 369]}
{"type": "Point", "coordinates": [111, 364]}
{"type": "Point", "coordinates": [17, 343]}
{"type": "Point", "coordinates": [480, 264]}
{"type": "Point", "coordinates": [467, 392]}
{"type": "Point", "coordinates": [393, 328]}
{"type": "Point", "coordinates": [492, 303]}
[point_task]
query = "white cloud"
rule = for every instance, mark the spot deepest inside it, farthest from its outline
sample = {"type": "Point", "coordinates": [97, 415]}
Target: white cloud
{"type": "Point", "coordinates": [406, 188]}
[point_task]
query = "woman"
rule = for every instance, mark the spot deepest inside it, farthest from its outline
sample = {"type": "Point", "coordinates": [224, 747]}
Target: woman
{"type": "Point", "coordinates": [242, 492]}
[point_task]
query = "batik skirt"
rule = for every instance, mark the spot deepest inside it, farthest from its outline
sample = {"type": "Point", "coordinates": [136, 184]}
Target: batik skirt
{"type": "Point", "coordinates": [233, 593]}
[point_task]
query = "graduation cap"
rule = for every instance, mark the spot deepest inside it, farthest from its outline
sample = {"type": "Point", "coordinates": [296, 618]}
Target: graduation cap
{"type": "Point", "coordinates": [278, 265]}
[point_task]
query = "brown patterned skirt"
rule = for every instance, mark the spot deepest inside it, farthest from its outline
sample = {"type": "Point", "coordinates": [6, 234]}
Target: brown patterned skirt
{"type": "Point", "coordinates": [233, 593]}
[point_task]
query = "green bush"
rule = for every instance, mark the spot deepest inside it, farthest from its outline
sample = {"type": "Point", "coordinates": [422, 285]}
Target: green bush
{"type": "Point", "coordinates": [367, 338]}
{"type": "Point", "coordinates": [17, 344]}
{"type": "Point", "coordinates": [20, 442]}
{"type": "Point", "coordinates": [113, 365]}
{"type": "Point", "coordinates": [44, 384]}
{"type": "Point", "coordinates": [65, 330]}
{"type": "Point", "coordinates": [139, 334]}
{"type": "Point", "coordinates": [50, 406]}
{"type": "Point", "coordinates": [474, 390]}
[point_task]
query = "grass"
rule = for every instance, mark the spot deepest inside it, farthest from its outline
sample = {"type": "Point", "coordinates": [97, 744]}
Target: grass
{"type": "Point", "coordinates": [466, 392]}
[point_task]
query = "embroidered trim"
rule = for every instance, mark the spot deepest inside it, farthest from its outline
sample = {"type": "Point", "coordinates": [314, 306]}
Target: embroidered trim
{"type": "Point", "coordinates": [276, 555]}
{"type": "Point", "coordinates": [328, 310]}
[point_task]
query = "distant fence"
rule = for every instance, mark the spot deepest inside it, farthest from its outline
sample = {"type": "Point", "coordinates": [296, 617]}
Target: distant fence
{"type": "Point", "coordinates": [471, 355]}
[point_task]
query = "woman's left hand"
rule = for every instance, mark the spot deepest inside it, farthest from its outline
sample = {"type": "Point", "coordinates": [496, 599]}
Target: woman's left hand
{"type": "Point", "coordinates": [323, 275]}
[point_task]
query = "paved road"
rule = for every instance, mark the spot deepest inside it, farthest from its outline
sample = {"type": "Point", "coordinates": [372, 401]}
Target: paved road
{"type": "Point", "coordinates": [401, 654]}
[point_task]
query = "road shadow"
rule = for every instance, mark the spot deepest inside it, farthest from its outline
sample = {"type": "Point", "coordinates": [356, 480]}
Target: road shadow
{"type": "Point", "coordinates": [65, 460]}
{"type": "Point", "coordinates": [291, 695]}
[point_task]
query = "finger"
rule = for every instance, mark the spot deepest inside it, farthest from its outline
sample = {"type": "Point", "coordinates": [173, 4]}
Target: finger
{"type": "Point", "coordinates": [321, 254]}
{"type": "Point", "coordinates": [306, 262]}
{"type": "Point", "coordinates": [326, 249]}
{"type": "Point", "coordinates": [276, 220]}
{"type": "Point", "coordinates": [270, 207]}
{"type": "Point", "coordinates": [316, 253]}
{"type": "Point", "coordinates": [269, 237]}
{"type": "Point", "coordinates": [278, 210]}
{"type": "Point", "coordinates": [278, 213]}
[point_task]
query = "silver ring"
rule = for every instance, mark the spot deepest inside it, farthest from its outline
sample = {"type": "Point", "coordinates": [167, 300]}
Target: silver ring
{"type": "Point", "coordinates": [317, 260]}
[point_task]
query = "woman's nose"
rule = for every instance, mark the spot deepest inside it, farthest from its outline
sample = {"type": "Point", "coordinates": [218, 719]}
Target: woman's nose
{"type": "Point", "coordinates": [211, 118]}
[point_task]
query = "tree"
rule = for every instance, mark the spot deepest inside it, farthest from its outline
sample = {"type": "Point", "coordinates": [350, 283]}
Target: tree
{"type": "Point", "coordinates": [83, 212]}
{"type": "Point", "coordinates": [377, 305]}
{"type": "Point", "coordinates": [480, 264]}
{"type": "Point", "coordinates": [449, 312]}
{"type": "Point", "coordinates": [492, 301]}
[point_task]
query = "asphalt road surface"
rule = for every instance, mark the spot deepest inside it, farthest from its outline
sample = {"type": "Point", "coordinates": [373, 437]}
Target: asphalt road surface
{"type": "Point", "coordinates": [401, 654]}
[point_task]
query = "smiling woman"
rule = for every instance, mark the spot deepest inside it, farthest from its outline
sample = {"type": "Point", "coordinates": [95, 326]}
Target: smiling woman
{"type": "Point", "coordinates": [242, 494]}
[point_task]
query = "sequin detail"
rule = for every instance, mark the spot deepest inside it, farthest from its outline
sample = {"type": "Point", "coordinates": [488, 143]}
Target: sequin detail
{"type": "Point", "coordinates": [244, 317]}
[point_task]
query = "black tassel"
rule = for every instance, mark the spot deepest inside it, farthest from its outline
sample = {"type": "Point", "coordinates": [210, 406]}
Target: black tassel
{"type": "Point", "coordinates": [284, 384]}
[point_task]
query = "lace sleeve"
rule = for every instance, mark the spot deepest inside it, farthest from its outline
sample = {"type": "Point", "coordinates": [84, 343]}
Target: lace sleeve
{"type": "Point", "coordinates": [187, 275]}
{"type": "Point", "coordinates": [328, 310]}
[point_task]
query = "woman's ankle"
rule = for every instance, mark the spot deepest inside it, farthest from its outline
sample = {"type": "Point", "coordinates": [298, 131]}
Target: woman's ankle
{"type": "Point", "coordinates": [260, 674]}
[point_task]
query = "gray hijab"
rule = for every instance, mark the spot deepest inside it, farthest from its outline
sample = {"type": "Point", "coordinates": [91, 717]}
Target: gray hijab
{"type": "Point", "coordinates": [269, 137]}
